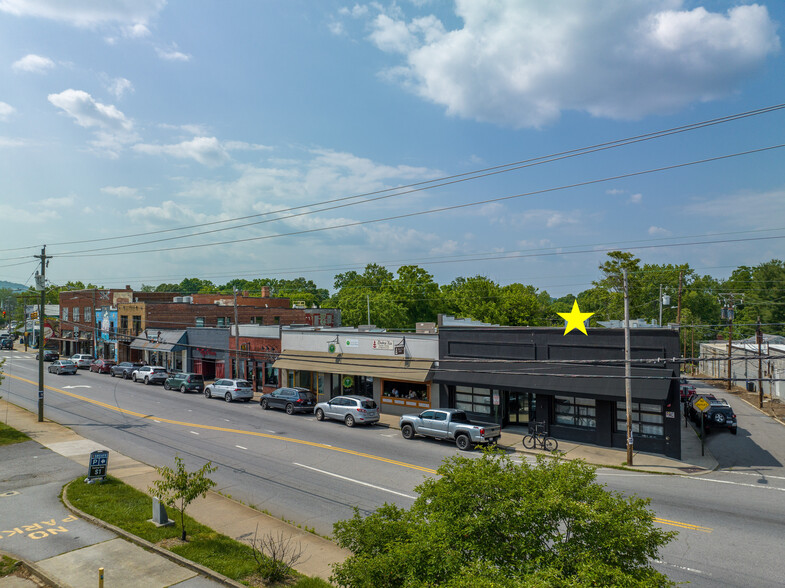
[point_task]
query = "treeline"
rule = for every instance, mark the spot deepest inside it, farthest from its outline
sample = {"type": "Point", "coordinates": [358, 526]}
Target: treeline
{"type": "Point", "coordinates": [399, 300]}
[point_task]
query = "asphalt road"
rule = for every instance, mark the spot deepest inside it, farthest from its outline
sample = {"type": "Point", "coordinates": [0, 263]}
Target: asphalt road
{"type": "Point", "coordinates": [731, 522]}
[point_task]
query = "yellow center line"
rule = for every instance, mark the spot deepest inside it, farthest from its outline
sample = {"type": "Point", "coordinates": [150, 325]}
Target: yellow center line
{"type": "Point", "coordinates": [228, 430]}
{"type": "Point", "coordinates": [291, 440]}
{"type": "Point", "coordinates": [683, 525]}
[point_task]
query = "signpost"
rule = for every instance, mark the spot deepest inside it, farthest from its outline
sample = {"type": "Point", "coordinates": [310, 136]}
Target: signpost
{"type": "Point", "coordinates": [99, 462]}
{"type": "Point", "coordinates": [702, 405]}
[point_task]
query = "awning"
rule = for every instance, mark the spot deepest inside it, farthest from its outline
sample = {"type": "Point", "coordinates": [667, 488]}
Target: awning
{"type": "Point", "coordinates": [375, 366]}
{"type": "Point", "coordinates": [589, 381]}
{"type": "Point", "coordinates": [165, 341]}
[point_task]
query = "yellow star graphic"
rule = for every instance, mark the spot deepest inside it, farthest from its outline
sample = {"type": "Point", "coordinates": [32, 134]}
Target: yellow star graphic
{"type": "Point", "coordinates": [575, 319]}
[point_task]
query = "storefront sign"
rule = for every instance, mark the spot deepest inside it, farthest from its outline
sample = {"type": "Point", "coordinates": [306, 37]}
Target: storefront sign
{"type": "Point", "coordinates": [351, 342]}
{"type": "Point", "coordinates": [496, 398]}
{"type": "Point", "coordinates": [400, 349]}
{"type": "Point", "coordinates": [385, 344]}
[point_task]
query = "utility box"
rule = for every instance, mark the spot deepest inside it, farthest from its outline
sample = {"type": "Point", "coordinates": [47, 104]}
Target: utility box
{"type": "Point", "coordinates": [160, 518]}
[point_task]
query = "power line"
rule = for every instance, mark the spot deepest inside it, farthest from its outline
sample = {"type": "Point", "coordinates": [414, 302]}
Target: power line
{"type": "Point", "coordinates": [451, 179]}
{"type": "Point", "coordinates": [87, 253]}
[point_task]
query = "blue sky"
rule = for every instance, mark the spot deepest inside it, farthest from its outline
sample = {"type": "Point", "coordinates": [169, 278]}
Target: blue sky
{"type": "Point", "coordinates": [132, 117]}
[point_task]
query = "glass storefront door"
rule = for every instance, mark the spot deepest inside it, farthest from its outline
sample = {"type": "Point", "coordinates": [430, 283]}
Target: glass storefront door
{"type": "Point", "coordinates": [520, 407]}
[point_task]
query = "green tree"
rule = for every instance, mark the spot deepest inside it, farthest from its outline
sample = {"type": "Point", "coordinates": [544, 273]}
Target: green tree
{"type": "Point", "coordinates": [374, 288]}
{"type": "Point", "coordinates": [415, 290]}
{"type": "Point", "coordinates": [178, 488]}
{"type": "Point", "coordinates": [489, 521]}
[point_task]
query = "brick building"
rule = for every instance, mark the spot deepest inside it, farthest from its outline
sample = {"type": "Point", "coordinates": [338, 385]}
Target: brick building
{"type": "Point", "coordinates": [79, 330]}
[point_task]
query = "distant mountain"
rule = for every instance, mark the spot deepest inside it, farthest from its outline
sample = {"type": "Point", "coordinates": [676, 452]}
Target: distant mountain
{"type": "Point", "coordinates": [11, 286]}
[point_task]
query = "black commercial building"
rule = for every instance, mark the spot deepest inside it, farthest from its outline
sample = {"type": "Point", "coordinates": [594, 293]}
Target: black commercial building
{"type": "Point", "coordinates": [208, 350]}
{"type": "Point", "coordinates": [575, 383]}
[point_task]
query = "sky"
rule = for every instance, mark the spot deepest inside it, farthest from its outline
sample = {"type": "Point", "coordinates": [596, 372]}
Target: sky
{"type": "Point", "coordinates": [145, 141]}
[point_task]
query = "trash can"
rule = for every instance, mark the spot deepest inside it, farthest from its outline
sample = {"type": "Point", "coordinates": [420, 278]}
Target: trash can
{"type": "Point", "coordinates": [750, 386]}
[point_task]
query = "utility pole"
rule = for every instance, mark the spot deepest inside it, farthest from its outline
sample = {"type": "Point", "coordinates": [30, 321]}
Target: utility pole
{"type": "Point", "coordinates": [660, 323]}
{"type": "Point", "coordinates": [728, 301]}
{"type": "Point", "coordinates": [759, 339]}
{"type": "Point", "coordinates": [627, 368]}
{"type": "Point", "coordinates": [40, 284]}
{"type": "Point", "coordinates": [368, 303]}
{"type": "Point", "coordinates": [678, 310]}
{"type": "Point", "coordinates": [95, 338]}
{"type": "Point", "coordinates": [236, 338]}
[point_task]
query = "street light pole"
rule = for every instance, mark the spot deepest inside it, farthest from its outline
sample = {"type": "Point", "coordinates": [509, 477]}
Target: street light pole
{"type": "Point", "coordinates": [41, 285]}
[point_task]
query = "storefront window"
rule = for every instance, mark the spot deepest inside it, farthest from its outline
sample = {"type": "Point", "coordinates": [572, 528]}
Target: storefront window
{"type": "Point", "coordinates": [477, 400]}
{"type": "Point", "coordinates": [576, 412]}
{"type": "Point", "coordinates": [647, 419]}
{"type": "Point", "coordinates": [411, 390]}
{"type": "Point", "coordinates": [270, 375]}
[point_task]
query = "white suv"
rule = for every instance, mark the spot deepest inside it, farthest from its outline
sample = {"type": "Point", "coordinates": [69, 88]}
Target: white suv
{"type": "Point", "coordinates": [82, 360]}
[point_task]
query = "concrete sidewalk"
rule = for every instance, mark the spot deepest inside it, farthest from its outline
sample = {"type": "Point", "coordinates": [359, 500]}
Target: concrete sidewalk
{"type": "Point", "coordinates": [236, 520]}
{"type": "Point", "coordinates": [222, 514]}
{"type": "Point", "coordinates": [692, 461]}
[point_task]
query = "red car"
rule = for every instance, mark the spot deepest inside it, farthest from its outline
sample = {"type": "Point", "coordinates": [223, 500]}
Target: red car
{"type": "Point", "coordinates": [102, 366]}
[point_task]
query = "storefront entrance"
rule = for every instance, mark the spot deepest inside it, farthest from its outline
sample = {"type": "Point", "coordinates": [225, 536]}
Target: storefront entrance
{"type": "Point", "coordinates": [520, 408]}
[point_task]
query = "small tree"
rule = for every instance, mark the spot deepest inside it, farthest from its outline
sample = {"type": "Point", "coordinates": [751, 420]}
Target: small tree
{"type": "Point", "coordinates": [492, 522]}
{"type": "Point", "coordinates": [275, 554]}
{"type": "Point", "coordinates": [178, 488]}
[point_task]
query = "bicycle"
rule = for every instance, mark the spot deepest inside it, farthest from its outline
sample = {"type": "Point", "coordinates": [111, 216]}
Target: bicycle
{"type": "Point", "coordinates": [539, 436]}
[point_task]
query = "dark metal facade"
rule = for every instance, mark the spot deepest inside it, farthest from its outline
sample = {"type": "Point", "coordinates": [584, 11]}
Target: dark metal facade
{"type": "Point", "coordinates": [550, 371]}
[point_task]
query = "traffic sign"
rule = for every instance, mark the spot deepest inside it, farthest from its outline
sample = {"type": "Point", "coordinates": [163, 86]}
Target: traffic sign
{"type": "Point", "coordinates": [99, 461]}
{"type": "Point", "coordinates": [701, 404]}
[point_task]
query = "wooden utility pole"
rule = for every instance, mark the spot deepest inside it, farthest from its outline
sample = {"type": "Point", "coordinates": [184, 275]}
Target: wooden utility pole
{"type": "Point", "coordinates": [728, 301]}
{"type": "Point", "coordinates": [236, 339]}
{"type": "Point", "coordinates": [678, 309]}
{"type": "Point", "coordinates": [627, 368]}
{"type": "Point", "coordinates": [40, 284]}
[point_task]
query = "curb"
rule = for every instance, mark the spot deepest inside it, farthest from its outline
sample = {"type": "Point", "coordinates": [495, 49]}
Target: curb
{"type": "Point", "coordinates": [187, 563]}
{"type": "Point", "coordinates": [33, 570]}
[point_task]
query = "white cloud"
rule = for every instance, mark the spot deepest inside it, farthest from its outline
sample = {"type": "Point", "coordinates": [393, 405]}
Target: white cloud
{"type": "Point", "coordinates": [615, 191]}
{"type": "Point", "coordinates": [172, 54]}
{"type": "Point", "coordinates": [753, 210]}
{"type": "Point", "coordinates": [6, 110]}
{"type": "Point", "coordinates": [119, 86]}
{"type": "Point", "coordinates": [205, 150]}
{"type": "Point", "coordinates": [658, 231]}
{"type": "Point", "coordinates": [636, 198]}
{"type": "Point", "coordinates": [122, 192]}
{"type": "Point", "coordinates": [137, 31]}
{"type": "Point", "coordinates": [521, 63]}
{"type": "Point", "coordinates": [58, 202]}
{"type": "Point", "coordinates": [33, 63]}
{"type": "Point", "coordinates": [243, 146]}
{"type": "Point", "coordinates": [111, 127]}
{"type": "Point", "coordinates": [7, 142]}
{"type": "Point", "coordinates": [87, 13]}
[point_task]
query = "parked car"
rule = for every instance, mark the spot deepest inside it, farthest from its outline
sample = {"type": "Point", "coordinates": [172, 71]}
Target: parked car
{"type": "Point", "coordinates": [49, 355]}
{"type": "Point", "coordinates": [62, 366]}
{"type": "Point", "coordinates": [230, 390]}
{"type": "Point", "coordinates": [449, 423]}
{"type": "Point", "coordinates": [102, 366]}
{"type": "Point", "coordinates": [82, 360]}
{"type": "Point", "coordinates": [184, 382]}
{"type": "Point", "coordinates": [686, 390]}
{"type": "Point", "coordinates": [150, 374]}
{"type": "Point", "coordinates": [290, 399]}
{"type": "Point", "coordinates": [719, 415]}
{"type": "Point", "coordinates": [124, 369]}
{"type": "Point", "coordinates": [349, 409]}
{"type": "Point", "coordinates": [7, 343]}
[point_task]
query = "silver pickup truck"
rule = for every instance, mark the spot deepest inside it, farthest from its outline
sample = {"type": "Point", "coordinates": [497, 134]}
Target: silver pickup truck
{"type": "Point", "coordinates": [449, 423]}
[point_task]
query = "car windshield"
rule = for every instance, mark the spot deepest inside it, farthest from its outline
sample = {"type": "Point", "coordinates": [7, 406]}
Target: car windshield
{"type": "Point", "coordinates": [460, 417]}
{"type": "Point", "coordinates": [368, 404]}
{"type": "Point", "coordinates": [306, 395]}
{"type": "Point", "coordinates": [243, 384]}
{"type": "Point", "coordinates": [159, 370]}
{"type": "Point", "coordinates": [196, 378]}
{"type": "Point", "coordinates": [67, 362]}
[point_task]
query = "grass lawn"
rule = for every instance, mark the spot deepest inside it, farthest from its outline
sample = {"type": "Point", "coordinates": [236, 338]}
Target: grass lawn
{"type": "Point", "coordinates": [128, 508]}
{"type": "Point", "coordinates": [9, 435]}
{"type": "Point", "coordinates": [7, 565]}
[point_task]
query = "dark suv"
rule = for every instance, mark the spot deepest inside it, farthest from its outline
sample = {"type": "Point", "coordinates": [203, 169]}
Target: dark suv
{"type": "Point", "coordinates": [185, 382]}
{"type": "Point", "coordinates": [290, 399]}
{"type": "Point", "coordinates": [719, 415]}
